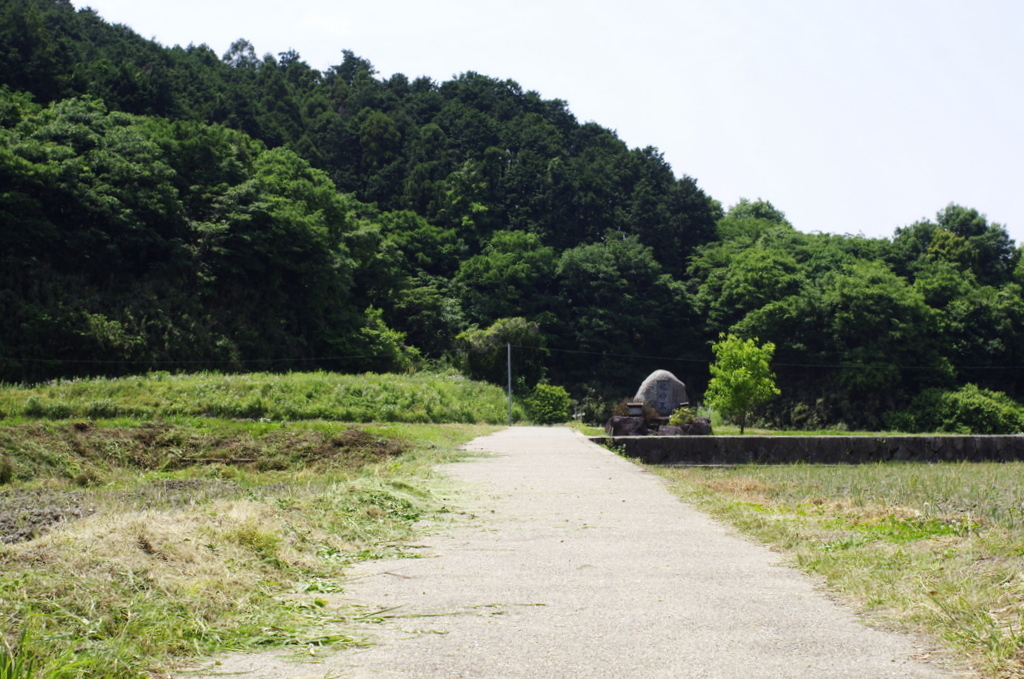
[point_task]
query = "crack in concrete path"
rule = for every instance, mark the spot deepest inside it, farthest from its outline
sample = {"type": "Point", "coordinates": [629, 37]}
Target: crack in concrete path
{"type": "Point", "coordinates": [571, 562]}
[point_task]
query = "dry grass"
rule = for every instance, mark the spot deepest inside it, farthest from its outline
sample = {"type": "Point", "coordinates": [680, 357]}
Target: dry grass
{"type": "Point", "coordinates": [750, 490]}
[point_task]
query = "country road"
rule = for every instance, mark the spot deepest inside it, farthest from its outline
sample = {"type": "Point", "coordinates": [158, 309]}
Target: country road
{"type": "Point", "coordinates": [571, 562]}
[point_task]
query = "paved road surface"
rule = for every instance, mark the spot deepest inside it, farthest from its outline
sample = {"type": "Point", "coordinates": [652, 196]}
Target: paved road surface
{"type": "Point", "coordinates": [572, 563]}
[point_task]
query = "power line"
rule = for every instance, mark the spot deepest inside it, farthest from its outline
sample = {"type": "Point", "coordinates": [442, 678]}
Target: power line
{"type": "Point", "coordinates": [190, 362]}
{"type": "Point", "coordinates": [779, 365]}
{"type": "Point", "coordinates": [614, 355]}
{"type": "Point", "coordinates": [352, 357]}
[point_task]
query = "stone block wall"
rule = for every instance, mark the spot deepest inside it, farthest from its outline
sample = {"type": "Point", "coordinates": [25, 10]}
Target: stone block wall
{"type": "Point", "coordinates": [723, 450]}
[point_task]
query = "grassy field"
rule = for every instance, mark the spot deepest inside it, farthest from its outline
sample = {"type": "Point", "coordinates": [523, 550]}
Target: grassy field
{"type": "Point", "coordinates": [130, 545]}
{"type": "Point", "coordinates": [938, 548]}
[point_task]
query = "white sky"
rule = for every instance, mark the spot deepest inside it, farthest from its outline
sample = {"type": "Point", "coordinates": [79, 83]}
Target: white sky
{"type": "Point", "coordinates": [851, 116]}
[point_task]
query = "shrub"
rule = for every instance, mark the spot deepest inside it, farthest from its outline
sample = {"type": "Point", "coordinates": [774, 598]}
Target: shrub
{"type": "Point", "coordinates": [595, 407]}
{"type": "Point", "coordinates": [901, 420]}
{"type": "Point", "coordinates": [548, 404]}
{"type": "Point", "coordinates": [682, 417]}
{"type": "Point", "coordinates": [968, 410]}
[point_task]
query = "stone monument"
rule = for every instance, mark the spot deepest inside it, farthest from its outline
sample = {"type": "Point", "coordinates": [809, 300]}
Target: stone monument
{"type": "Point", "coordinates": [664, 391]}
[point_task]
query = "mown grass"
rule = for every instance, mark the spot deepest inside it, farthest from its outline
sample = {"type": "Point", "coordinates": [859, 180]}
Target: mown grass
{"type": "Point", "coordinates": [134, 544]}
{"type": "Point", "coordinates": [215, 555]}
{"type": "Point", "coordinates": [938, 548]}
{"type": "Point", "coordinates": [420, 398]}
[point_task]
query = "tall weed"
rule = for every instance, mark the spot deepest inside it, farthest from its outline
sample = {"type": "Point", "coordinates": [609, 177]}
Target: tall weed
{"type": "Point", "coordinates": [17, 661]}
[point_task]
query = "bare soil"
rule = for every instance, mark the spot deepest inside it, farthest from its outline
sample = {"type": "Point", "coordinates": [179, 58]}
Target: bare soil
{"type": "Point", "coordinates": [26, 514]}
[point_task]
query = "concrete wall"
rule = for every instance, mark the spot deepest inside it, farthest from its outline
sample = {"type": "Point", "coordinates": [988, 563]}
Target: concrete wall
{"type": "Point", "coordinates": [713, 450]}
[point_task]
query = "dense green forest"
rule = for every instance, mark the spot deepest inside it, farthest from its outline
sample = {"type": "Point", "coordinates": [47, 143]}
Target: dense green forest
{"type": "Point", "coordinates": [175, 209]}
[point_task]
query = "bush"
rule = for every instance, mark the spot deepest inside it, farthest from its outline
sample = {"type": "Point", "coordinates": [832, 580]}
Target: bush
{"type": "Point", "coordinates": [682, 417]}
{"type": "Point", "coordinates": [594, 407]}
{"type": "Point", "coordinates": [548, 404]}
{"type": "Point", "coordinates": [968, 410]}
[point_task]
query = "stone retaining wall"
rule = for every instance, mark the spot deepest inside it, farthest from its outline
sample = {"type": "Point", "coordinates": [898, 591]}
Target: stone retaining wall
{"type": "Point", "coordinates": [715, 450]}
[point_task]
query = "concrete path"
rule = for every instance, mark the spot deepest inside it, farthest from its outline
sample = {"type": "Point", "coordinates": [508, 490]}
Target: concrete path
{"type": "Point", "coordinates": [572, 562]}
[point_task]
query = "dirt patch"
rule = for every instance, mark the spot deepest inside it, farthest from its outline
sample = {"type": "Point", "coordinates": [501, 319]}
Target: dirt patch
{"type": "Point", "coordinates": [26, 514]}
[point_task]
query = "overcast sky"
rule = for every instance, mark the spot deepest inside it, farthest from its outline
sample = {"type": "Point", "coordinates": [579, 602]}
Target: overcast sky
{"type": "Point", "coordinates": [851, 116]}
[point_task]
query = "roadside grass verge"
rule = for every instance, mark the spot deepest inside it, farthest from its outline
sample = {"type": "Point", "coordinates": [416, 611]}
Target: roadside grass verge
{"type": "Point", "coordinates": [419, 398]}
{"type": "Point", "coordinates": [937, 548]}
{"type": "Point", "coordinates": [129, 548]}
{"type": "Point", "coordinates": [586, 429]}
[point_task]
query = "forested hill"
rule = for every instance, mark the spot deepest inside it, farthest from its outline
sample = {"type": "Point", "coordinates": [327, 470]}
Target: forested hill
{"type": "Point", "coordinates": [172, 208]}
{"type": "Point", "coordinates": [473, 154]}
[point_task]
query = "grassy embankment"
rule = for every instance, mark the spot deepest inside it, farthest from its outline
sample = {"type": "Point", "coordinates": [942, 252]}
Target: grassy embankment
{"type": "Point", "coordinates": [425, 398]}
{"type": "Point", "coordinates": [938, 548]}
{"type": "Point", "coordinates": [202, 516]}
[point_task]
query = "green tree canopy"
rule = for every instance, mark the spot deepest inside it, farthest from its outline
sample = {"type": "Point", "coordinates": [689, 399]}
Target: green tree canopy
{"type": "Point", "coordinates": [513, 275]}
{"type": "Point", "coordinates": [131, 241]}
{"type": "Point", "coordinates": [483, 353]}
{"type": "Point", "coordinates": [741, 378]}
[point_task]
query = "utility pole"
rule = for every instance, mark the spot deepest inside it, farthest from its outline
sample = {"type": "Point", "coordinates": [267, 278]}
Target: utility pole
{"type": "Point", "coordinates": [510, 384]}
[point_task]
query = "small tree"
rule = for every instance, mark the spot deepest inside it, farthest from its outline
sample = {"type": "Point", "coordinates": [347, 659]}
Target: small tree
{"type": "Point", "coordinates": [740, 377]}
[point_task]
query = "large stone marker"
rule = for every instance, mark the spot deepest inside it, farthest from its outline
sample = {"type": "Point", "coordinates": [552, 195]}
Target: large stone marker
{"type": "Point", "coordinates": [664, 391]}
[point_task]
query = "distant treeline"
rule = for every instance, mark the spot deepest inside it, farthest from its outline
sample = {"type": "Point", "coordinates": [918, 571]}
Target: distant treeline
{"type": "Point", "coordinates": [175, 209]}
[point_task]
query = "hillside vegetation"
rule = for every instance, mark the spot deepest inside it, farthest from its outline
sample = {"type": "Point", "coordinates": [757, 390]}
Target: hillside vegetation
{"type": "Point", "coordinates": [169, 208]}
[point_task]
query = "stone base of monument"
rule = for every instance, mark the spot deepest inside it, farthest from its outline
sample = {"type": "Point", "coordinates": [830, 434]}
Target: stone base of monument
{"type": "Point", "coordinates": [658, 426]}
{"type": "Point", "coordinates": [699, 426]}
{"type": "Point", "coordinates": [621, 425]}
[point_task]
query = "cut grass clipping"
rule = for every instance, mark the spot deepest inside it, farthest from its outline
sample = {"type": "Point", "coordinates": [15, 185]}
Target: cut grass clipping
{"type": "Point", "coordinates": [938, 548]}
{"type": "Point", "coordinates": [128, 550]}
